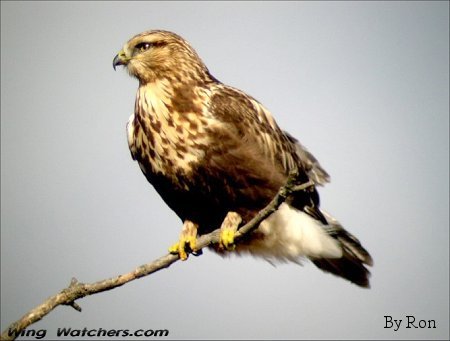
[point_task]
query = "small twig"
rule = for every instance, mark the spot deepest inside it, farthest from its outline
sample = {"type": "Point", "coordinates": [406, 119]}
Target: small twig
{"type": "Point", "coordinates": [77, 290]}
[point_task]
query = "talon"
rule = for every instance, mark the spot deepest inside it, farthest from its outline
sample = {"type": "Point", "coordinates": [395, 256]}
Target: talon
{"type": "Point", "coordinates": [175, 249]}
{"type": "Point", "coordinates": [228, 231]}
{"type": "Point", "coordinates": [197, 253]}
{"type": "Point", "coordinates": [187, 242]}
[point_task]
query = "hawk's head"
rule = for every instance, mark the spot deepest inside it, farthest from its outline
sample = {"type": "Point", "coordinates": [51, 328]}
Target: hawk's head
{"type": "Point", "coordinates": [161, 54]}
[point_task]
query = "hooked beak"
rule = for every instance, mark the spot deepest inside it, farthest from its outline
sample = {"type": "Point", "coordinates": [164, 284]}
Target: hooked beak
{"type": "Point", "coordinates": [120, 59]}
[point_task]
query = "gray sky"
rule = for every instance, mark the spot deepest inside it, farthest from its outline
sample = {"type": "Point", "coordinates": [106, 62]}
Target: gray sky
{"type": "Point", "coordinates": [364, 85]}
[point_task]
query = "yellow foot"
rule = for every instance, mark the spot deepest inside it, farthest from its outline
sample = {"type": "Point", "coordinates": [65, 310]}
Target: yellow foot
{"type": "Point", "coordinates": [187, 242]}
{"type": "Point", "coordinates": [228, 231]}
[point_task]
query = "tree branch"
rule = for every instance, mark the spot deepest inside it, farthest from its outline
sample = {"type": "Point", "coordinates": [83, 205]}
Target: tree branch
{"type": "Point", "coordinates": [77, 290]}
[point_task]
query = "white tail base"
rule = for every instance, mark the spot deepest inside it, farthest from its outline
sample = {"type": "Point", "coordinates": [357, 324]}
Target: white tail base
{"type": "Point", "coordinates": [290, 234]}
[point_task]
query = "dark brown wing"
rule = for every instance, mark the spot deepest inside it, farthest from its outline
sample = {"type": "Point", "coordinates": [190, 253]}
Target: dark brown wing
{"type": "Point", "coordinates": [254, 125]}
{"type": "Point", "coordinates": [250, 157]}
{"type": "Point", "coordinates": [315, 171]}
{"type": "Point", "coordinates": [255, 122]}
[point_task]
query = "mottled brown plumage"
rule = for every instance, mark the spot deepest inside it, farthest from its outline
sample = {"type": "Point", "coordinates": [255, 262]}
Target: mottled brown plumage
{"type": "Point", "coordinates": [209, 149]}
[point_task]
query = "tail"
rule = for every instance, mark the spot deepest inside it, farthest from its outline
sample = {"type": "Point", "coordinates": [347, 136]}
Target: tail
{"type": "Point", "coordinates": [351, 266]}
{"type": "Point", "coordinates": [290, 234]}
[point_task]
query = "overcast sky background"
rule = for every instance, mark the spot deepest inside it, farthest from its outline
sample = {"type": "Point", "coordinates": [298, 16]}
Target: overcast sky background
{"type": "Point", "coordinates": [364, 85]}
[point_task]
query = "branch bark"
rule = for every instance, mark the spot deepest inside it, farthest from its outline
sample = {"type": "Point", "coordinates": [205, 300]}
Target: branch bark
{"type": "Point", "coordinates": [77, 290]}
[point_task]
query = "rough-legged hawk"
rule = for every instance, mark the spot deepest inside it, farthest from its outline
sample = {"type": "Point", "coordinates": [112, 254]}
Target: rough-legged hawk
{"type": "Point", "coordinates": [216, 156]}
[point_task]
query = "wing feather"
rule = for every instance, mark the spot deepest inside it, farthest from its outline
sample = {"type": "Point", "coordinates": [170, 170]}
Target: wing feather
{"type": "Point", "coordinates": [315, 171]}
{"type": "Point", "coordinates": [253, 123]}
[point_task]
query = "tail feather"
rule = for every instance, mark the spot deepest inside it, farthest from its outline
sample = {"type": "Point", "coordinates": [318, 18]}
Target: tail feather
{"type": "Point", "coordinates": [346, 267]}
{"type": "Point", "coordinates": [351, 265]}
{"type": "Point", "coordinates": [290, 234]}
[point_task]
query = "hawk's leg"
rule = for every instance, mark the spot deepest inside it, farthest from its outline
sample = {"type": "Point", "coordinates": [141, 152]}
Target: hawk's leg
{"type": "Point", "coordinates": [228, 230]}
{"type": "Point", "coordinates": [187, 241]}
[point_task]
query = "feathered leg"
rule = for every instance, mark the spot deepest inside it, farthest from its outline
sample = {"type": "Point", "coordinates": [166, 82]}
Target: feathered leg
{"type": "Point", "coordinates": [228, 230]}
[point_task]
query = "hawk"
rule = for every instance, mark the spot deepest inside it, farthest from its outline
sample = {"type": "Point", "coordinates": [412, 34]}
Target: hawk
{"type": "Point", "coordinates": [217, 157]}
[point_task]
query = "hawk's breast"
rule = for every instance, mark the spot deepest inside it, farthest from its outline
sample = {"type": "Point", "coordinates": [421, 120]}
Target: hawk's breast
{"type": "Point", "coordinates": [168, 132]}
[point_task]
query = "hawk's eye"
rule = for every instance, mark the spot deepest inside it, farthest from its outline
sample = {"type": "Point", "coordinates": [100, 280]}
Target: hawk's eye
{"type": "Point", "coordinates": [141, 47]}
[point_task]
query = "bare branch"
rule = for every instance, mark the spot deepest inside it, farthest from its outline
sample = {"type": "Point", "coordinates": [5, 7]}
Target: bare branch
{"type": "Point", "coordinates": [77, 290]}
